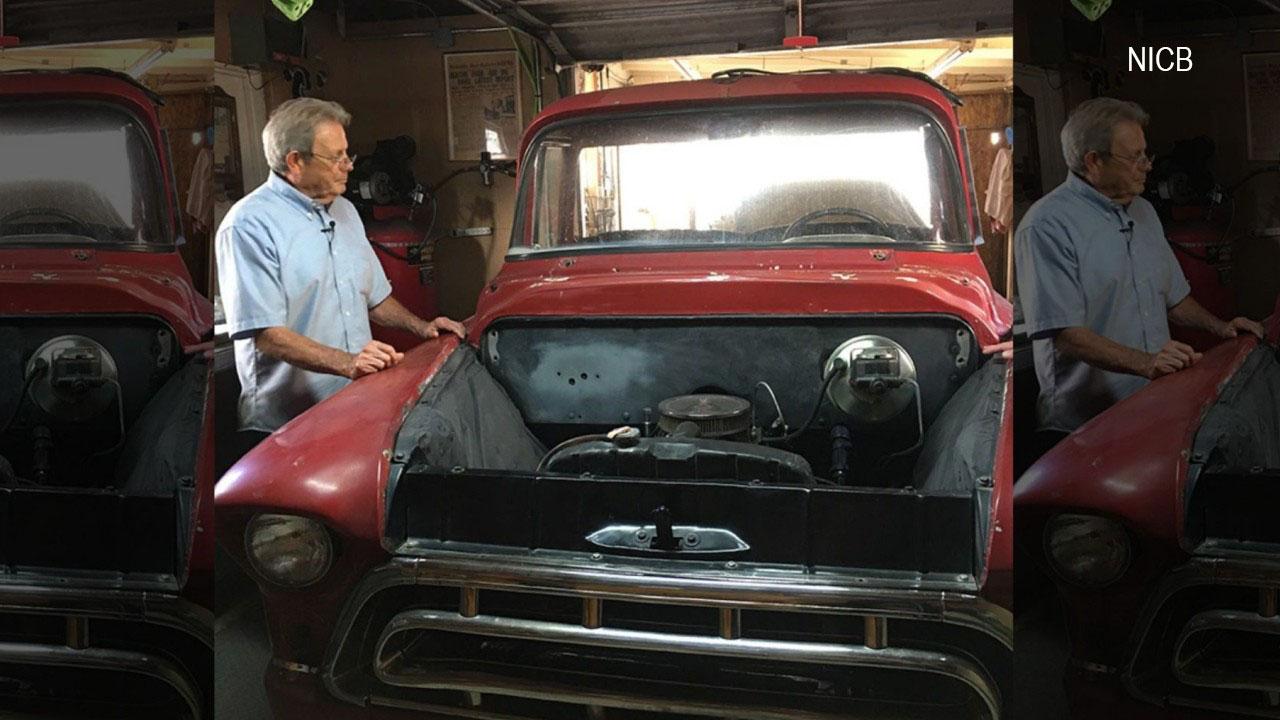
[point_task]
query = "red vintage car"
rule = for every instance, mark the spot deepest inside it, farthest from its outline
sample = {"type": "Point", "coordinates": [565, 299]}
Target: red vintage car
{"type": "Point", "coordinates": [106, 473]}
{"type": "Point", "coordinates": [1157, 522]}
{"type": "Point", "coordinates": [724, 438]}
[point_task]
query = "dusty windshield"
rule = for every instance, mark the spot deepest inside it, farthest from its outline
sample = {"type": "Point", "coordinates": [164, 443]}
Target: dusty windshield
{"type": "Point", "coordinates": [77, 173]}
{"type": "Point", "coordinates": [873, 174]}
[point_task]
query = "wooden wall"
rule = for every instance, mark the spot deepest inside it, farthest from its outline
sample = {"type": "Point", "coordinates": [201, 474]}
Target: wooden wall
{"type": "Point", "coordinates": [981, 115]}
{"type": "Point", "coordinates": [183, 116]}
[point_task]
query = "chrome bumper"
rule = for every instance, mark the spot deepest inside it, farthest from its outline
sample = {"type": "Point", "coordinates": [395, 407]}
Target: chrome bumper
{"type": "Point", "coordinates": [1201, 653]}
{"type": "Point", "coordinates": [81, 607]}
{"type": "Point", "coordinates": [1213, 651]}
{"type": "Point", "coordinates": [594, 583]}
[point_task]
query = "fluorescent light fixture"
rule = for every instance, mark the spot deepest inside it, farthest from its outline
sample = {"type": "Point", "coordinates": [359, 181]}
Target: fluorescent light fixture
{"type": "Point", "coordinates": [952, 57]}
{"type": "Point", "coordinates": [995, 138]}
{"type": "Point", "coordinates": [144, 63]}
{"type": "Point", "coordinates": [686, 70]}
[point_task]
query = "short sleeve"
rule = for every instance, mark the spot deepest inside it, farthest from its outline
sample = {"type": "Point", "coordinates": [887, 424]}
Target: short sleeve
{"type": "Point", "coordinates": [249, 280]}
{"type": "Point", "coordinates": [1048, 280]}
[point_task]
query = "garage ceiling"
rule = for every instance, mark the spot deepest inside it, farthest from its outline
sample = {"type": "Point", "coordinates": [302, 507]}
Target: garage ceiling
{"type": "Point", "coordinates": [58, 22]}
{"type": "Point", "coordinates": [185, 63]}
{"type": "Point", "coordinates": [986, 66]}
{"type": "Point", "coordinates": [609, 30]}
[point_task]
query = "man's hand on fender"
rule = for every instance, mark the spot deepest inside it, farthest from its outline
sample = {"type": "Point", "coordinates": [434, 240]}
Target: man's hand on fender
{"type": "Point", "coordinates": [1171, 358]}
{"type": "Point", "coordinates": [433, 328]}
{"type": "Point", "coordinates": [373, 357]}
{"type": "Point", "coordinates": [1243, 324]}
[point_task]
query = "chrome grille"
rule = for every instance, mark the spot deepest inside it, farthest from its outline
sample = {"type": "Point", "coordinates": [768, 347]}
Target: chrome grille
{"type": "Point", "coordinates": [1209, 639]}
{"type": "Point", "coordinates": [477, 634]}
{"type": "Point", "coordinates": [115, 652]}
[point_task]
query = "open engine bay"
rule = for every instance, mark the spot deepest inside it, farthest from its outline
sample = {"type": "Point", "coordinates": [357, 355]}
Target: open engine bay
{"type": "Point", "coordinates": [99, 430]}
{"type": "Point", "coordinates": [733, 438]}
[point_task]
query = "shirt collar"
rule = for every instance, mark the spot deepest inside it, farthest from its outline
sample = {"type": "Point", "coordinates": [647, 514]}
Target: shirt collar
{"type": "Point", "coordinates": [1082, 188]}
{"type": "Point", "coordinates": [292, 194]}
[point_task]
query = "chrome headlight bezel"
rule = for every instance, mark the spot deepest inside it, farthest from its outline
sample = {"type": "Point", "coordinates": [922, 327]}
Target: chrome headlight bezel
{"type": "Point", "coordinates": [1103, 552]}
{"type": "Point", "coordinates": [298, 530]}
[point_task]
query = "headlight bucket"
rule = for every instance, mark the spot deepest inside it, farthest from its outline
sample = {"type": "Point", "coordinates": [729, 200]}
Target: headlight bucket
{"type": "Point", "coordinates": [1087, 550]}
{"type": "Point", "coordinates": [288, 550]}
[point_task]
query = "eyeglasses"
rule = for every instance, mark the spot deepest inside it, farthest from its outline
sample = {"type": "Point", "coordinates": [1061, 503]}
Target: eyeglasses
{"type": "Point", "coordinates": [1139, 159]}
{"type": "Point", "coordinates": [339, 160]}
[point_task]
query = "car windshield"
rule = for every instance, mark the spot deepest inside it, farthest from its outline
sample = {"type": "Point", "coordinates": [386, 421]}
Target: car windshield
{"type": "Point", "coordinates": [835, 175]}
{"type": "Point", "coordinates": [77, 173]}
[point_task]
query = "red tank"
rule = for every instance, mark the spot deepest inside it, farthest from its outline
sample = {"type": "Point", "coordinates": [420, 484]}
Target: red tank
{"type": "Point", "coordinates": [397, 241]}
{"type": "Point", "coordinates": [1204, 253]}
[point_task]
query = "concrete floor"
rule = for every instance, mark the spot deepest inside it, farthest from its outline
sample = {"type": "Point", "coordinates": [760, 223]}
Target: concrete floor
{"type": "Point", "coordinates": [241, 648]}
{"type": "Point", "coordinates": [1040, 643]}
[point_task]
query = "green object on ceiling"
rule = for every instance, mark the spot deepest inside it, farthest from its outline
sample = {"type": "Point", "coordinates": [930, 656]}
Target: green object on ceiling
{"type": "Point", "coordinates": [295, 9]}
{"type": "Point", "coordinates": [1092, 9]}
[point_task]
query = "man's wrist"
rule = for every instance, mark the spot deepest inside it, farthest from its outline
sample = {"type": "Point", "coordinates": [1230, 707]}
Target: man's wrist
{"type": "Point", "coordinates": [1143, 364]}
{"type": "Point", "coordinates": [422, 328]}
{"type": "Point", "coordinates": [347, 366]}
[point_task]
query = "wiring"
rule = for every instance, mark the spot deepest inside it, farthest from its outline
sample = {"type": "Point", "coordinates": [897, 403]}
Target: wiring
{"type": "Point", "coordinates": [120, 413]}
{"type": "Point", "coordinates": [36, 371]}
{"type": "Point", "coordinates": [779, 421]}
{"type": "Point", "coordinates": [837, 367]}
{"type": "Point", "coordinates": [919, 427]}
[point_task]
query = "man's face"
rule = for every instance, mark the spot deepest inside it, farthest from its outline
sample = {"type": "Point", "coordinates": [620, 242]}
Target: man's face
{"type": "Point", "coordinates": [1122, 174]}
{"type": "Point", "coordinates": [322, 173]}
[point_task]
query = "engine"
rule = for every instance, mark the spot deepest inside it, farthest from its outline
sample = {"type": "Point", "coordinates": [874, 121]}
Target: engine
{"type": "Point", "coordinates": [710, 436]}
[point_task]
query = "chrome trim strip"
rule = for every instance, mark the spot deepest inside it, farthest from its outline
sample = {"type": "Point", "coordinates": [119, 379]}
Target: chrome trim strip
{"type": "Point", "coordinates": [570, 694]}
{"type": "Point", "coordinates": [108, 660]}
{"type": "Point", "coordinates": [742, 588]}
{"type": "Point", "coordinates": [1189, 671]}
{"type": "Point", "coordinates": [132, 605]}
{"type": "Point", "coordinates": [853, 656]}
{"type": "Point", "coordinates": [1234, 570]}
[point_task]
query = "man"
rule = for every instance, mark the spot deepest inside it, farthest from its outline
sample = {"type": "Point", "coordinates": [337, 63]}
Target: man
{"type": "Point", "coordinates": [1098, 282]}
{"type": "Point", "coordinates": [299, 281]}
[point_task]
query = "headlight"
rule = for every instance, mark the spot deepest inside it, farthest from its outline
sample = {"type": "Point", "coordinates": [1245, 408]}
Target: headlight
{"type": "Point", "coordinates": [1087, 550]}
{"type": "Point", "coordinates": [288, 550]}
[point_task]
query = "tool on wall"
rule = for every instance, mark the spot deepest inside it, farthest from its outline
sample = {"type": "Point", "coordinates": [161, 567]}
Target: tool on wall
{"type": "Point", "coordinates": [400, 217]}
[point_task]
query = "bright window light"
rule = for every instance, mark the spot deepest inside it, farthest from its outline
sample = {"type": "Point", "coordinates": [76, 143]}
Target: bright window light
{"type": "Point", "coordinates": [717, 176]}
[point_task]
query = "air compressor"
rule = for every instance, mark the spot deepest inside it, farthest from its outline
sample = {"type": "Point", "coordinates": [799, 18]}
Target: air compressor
{"type": "Point", "coordinates": [400, 216]}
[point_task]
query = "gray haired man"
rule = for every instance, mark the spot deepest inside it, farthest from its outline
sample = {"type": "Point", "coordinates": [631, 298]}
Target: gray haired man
{"type": "Point", "coordinates": [298, 278]}
{"type": "Point", "coordinates": [1098, 283]}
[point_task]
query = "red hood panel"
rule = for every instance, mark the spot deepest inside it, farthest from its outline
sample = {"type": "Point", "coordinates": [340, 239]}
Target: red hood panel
{"type": "Point", "coordinates": [751, 282]}
{"type": "Point", "coordinates": [37, 281]}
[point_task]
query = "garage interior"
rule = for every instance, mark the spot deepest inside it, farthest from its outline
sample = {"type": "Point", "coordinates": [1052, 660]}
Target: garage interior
{"type": "Point", "coordinates": [385, 65]}
{"type": "Point", "coordinates": [1215, 132]}
{"type": "Point", "coordinates": [385, 62]}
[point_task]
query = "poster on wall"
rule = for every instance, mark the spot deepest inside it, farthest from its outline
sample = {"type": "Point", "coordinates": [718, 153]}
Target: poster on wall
{"type": "Point", "coordinates": [483, 104]}
{"type": "Point", "coordinates": [1262, 105]}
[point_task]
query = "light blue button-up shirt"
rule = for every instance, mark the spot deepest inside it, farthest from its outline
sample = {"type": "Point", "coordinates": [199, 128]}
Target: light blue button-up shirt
{"type": "Point", "coordinates": [1084, 260]}
{"type": "Point", "coordinates": [285, 260]}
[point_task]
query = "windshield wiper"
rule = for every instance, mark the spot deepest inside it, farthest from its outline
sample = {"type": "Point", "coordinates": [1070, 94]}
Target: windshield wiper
{"type": "Point", "coordinates": [859, 238]}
